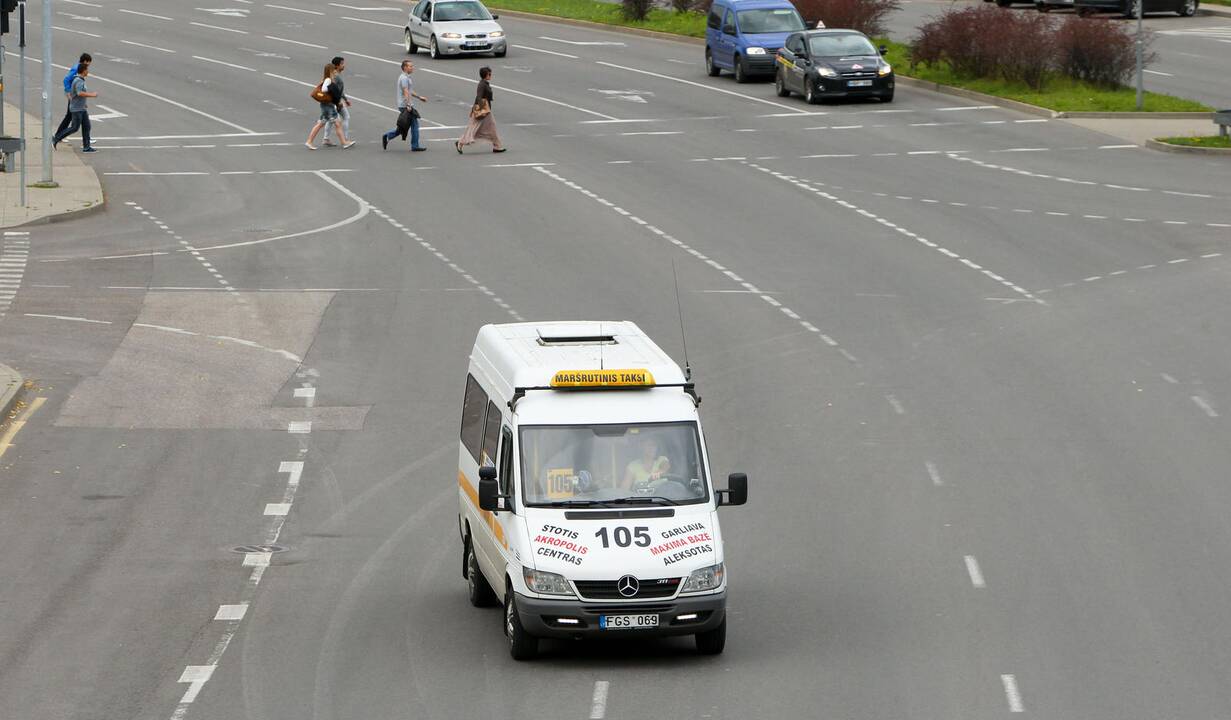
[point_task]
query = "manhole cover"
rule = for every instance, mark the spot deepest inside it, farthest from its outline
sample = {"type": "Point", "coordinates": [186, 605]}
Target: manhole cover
{"type": "Point", "coordinates": [245, 549]}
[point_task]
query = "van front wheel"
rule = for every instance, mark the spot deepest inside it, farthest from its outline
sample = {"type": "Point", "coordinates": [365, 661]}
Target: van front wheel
{"type": "Point", "coordinates": [522, 645]}
{"type": "Point", "coordinates": [738, 70]}
{"type": "Point", "coordinates": [712, 642]}
{"type": "Point", "coordinates": [478, 589]}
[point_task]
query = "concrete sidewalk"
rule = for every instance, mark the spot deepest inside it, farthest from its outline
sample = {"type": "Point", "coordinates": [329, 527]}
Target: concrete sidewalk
{"type": "Point", "coordinates": [79, 192]}
{"type": "Point", "coordinates": [10, 386]}
{"type": "Point", "coordinates": [1138, 130]}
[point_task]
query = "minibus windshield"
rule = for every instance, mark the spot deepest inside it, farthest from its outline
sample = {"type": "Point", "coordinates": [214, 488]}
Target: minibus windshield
{"type": "Point", "coordinates": [611, 465]}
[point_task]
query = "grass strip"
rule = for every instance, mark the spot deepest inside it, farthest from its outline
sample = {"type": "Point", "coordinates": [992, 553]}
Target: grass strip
{"type": "Point", "coordinates": [1060, 93]}
{"type": "Point", "coordinates": [690, 23]}
{"type": "Point", "coordinates": [1208, 141]}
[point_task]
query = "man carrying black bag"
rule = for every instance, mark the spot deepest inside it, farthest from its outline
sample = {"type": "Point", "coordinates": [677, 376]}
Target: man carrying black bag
{"type": "Point", "coordinates": [408, 115]}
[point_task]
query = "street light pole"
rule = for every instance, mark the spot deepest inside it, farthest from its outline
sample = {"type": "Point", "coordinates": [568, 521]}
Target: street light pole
{"type": "Point", "coordinates": [1140, 56]}
{"type": "Point", "coordinates": [47, 180]}
{"type": "Point", "coordinates": [21, 18]}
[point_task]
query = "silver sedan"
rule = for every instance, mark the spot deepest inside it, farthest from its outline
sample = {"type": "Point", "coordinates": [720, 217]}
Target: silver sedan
{"type": "Point", "coordinates": [454, 27]}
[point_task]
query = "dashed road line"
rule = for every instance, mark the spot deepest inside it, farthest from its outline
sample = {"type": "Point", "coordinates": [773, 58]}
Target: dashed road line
{"type": "Point", "coordinates": [1046, 176]}
{"type": "Point", "coordinates": [804, 185]}
{"type": "Point", "coordinates": [1012, 694]}
{"type": "Point", "coordinates": [598, 702]}
{"type": "Point", "coordinates": [934, 474]}
{"type": "Point", "coordinates": [768, 299]}
{"type": "Point", "coordinates": [976, 575]}
{"type": "Point", "coordinates": [1205, 406]}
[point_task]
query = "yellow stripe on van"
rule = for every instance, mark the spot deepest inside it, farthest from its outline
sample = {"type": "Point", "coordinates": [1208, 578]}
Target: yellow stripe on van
{"type": "Point", "coordinates": [488, 517]}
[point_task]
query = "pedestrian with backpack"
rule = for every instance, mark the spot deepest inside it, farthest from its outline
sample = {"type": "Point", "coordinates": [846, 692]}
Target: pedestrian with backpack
{"type": "Point", "coordinates": [68, 88]}
{"type": "Point", "coordinates": [344, 106]}
{"type": "Point", "coordinates": [408, 114]}
{"type": "Point", "coordinates": [78, 107]}
{"type": "Point", "coordinates": [329, 95]}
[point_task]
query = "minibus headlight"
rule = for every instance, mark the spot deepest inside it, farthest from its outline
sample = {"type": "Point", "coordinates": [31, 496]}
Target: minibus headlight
{"type": "Point", "coordinates": [756, 51]}
{"type": "Point", "coordinates": [546, 583]}
{"type": "Point", "coordinates": [706, 578]}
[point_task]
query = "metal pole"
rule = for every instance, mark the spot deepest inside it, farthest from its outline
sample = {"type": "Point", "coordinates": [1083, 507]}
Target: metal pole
{"type": "Point", "coordinates": [21, 42]}
{"type": "Point", "coordinates": [47, 180]}
{"type": "Point", "coordinates": [1140, 53]}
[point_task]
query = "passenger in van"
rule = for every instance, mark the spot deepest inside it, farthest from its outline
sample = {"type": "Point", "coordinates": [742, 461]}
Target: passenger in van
{"type": "Point", "coordinates": [648, 468]}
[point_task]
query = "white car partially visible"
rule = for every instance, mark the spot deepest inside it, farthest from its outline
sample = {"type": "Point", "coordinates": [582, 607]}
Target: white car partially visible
{"type": "Point", "coordinates": [454, 27]}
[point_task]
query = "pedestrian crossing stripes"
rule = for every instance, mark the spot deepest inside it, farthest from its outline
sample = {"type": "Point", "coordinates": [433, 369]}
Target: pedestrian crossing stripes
{"type": "Point", "coordinates": [14, 254]}
{"type": "Point", "coordinates": [1217, 33]}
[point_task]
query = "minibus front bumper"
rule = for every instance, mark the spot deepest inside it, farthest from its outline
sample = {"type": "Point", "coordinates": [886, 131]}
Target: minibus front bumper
{"type": "Point", "coordinates": [684, 615]}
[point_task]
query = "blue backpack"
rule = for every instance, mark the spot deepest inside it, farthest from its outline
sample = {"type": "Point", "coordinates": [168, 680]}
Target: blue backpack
{"type": "Point", "coordinates": [68, 79]}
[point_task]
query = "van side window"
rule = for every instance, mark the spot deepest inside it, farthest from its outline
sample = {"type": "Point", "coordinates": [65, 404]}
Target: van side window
{"type": "Point", "coordinates": [714, 20]}
{"type": "Point", "coordinates": [472, 417]}
{"type": "Point", "coordinates": [505, 473]}
{"type": "Point", "coordinates": [491, 435]}
{"type": "Point", "coordinates": [728, 25]}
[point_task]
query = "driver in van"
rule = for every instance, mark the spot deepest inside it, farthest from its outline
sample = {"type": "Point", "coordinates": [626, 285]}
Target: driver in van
{"type": "Point", "coordinates": [647, 469]}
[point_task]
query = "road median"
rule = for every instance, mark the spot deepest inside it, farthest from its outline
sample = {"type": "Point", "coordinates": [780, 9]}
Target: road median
{"type": "Point", "coordinates": [78, 190]}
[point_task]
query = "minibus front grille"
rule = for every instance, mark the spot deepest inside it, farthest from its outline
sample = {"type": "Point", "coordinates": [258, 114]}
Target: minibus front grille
{"type": "Point", "coordinates": [609, 590]}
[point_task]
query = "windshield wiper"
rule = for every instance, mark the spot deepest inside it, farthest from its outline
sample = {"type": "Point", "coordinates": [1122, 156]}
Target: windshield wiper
{"type": "Point", "coordinates": [572, 503]}
{"type": "Point", "coordinates": [642, 499]}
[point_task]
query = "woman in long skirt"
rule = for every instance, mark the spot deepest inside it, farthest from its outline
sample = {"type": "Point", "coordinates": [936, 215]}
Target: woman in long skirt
{"type": "Point", "coordinates": [482, 125]}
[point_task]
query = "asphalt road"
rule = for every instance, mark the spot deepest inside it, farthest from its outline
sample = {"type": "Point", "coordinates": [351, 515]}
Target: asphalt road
{"type": "Point", "coordinates": [973, 362]}
{"type": "Point", "coordinates": [1192, 58]}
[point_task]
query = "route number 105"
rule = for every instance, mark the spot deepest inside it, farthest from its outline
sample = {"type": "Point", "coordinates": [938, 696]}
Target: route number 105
{"type": "Point", "coordinates": [623, 537]}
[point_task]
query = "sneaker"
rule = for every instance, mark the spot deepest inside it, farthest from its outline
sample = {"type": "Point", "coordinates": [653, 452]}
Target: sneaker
{"type": "Point", "coordinates": [89, 149]}
{"type": "Point", "coordinates": [418, 149]}
{"type": "Point", "coordinates": [330, 143]}
{"type": "Point", "coordinates": [384, 142]}
{"type": "Point", "coordinates": [348, 144]}
{"type": "Point", "coordinates": [309, 145]}
{"type": "Point", "coordinates": [499, 150]}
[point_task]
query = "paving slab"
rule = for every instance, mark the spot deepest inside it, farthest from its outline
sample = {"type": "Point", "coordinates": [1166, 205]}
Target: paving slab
{"type": "Point", "coordinates": [79, 190]}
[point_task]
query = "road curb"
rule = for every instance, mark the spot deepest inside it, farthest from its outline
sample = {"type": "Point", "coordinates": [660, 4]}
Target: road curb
{"type": "Point", "coordinates": [600, 26]}
{"type": "Point", "coordinates": [68, 215]}
{"type": "Point", "coordinates": [1187, 149]}
{"type": "Point", "coordinates": [973, 95]}
{"type": "Point", "coordinates": [10, 389]}
{"type": "Point", "coordinates": [1137, 115]}
{"type": "Point", "coordinates": [1220, 10]}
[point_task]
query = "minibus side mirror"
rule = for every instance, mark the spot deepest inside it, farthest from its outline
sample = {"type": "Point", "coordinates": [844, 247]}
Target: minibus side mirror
{"type": "Point", "coordinates": [489, 489]}
{"type": "Point", "coordinates": [736, 492]}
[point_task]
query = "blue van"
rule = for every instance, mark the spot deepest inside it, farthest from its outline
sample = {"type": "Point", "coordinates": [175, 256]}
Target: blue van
{"type": "Point", "coordinates": [743, 36]}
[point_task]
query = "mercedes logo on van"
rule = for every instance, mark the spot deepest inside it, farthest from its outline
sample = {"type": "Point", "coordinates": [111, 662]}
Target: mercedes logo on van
{"type": "Point", "coordinates": [628, 586]}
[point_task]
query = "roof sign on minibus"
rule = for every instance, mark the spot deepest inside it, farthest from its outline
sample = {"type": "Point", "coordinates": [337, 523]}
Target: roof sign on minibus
{"type": "Point", "coordinates": [602, 378]}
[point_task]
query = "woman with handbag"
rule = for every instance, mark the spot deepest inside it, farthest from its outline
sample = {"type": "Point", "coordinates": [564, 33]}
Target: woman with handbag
{"type": "Point", "coordinates": [482, 125]}
{"type": "Point", "coordinates": [329, 96]}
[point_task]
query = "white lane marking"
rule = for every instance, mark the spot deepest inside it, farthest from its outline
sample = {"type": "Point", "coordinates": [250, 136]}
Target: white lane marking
{"type": "Point", "coordinates": [1177, 261]}
{"type": "Point", "coordinates": [299, 427]}
{"type": "Point", "coordinates": [196, 676]}
{"type": "Point", "coordinates": [160, 98]}
{"type": "Point", "coordinates": [500, 87]}
{"type": "Point", "coordinates": [1115, 147]}
{"type": "Point", "coordinates": [598, 702]}
{"type": "Point", "coordinates": [257, 559]}
{"type": "Point", "coordinates": [368, 9]}
{"type": "Point", "coordinates": [803, 185]}
{"type": "Point", "coordinates": [547, 52]}
{"type": "Point", "coordinates": [295, 42]}
{"type": "Point", "coordinates": [78, 32]}
{"type": "Point", "coordinates": [217, 27]}
{"type": "Point", "coordinates": [966, 107]}
{"type": "Point", "coordinates": [82, 2]}
{"type": "Point", "coordinates": [612, 43]}
{"type": "Point", "coordinates": [933, 473]}
{"type": "Point", "coordinates": [373, 22]}
{"type": "Point", "coordinates": [895, 404]}
{"type": "Point", "coordinates": [294, 468]}
{"type": "Point", "coordinates": [1170, 379]}
{"type": "Point", "coordinates": [305, 392]}
{"type": "Point", "coordinates": [702, 86]}
{"type": "Point", "coordinates": [1157, 72]}
{"type": "Point", "coordinates": [1012, 694]}
{"type": "Point", "coordinates": [1186, 194]}
{"type": "Point", "coordinates": [1212, 255]}
{"type": "Point", "coordinates": [279, 509]}
{"type": "Point", "coordinates": [144, 14]}
{"type": "Point", "coordinates": [976, 575]}
{"type": "Point", "coordinates": [655, 132]}
{"type": "Point", "coordinates": [1205, 406]}
{"type": "Point", "coordinates": [231, 612]}
{"type": "Point", "coordinates": [70, 318]}
{"type": "Point", "coordinates": [219, 62]}
{"type": "Point", "coordinates": [294, 9]}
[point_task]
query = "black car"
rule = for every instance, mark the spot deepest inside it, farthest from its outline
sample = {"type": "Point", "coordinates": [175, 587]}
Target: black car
{"type": "Point", "coordinates": [821, 64]}
{"type": "Point", "coordinates": [1128, 8]}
